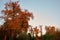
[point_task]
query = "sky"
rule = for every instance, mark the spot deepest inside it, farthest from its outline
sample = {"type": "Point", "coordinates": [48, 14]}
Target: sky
{"type": "Point", "coordinates": [46, 12]}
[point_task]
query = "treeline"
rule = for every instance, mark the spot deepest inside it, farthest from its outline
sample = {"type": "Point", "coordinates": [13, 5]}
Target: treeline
{"type": "Point", "coordinates": [50, 35]}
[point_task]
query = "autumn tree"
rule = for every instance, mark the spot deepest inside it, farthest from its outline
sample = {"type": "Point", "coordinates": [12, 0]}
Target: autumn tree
{"type": "Point", "coordinates": [15, 18]}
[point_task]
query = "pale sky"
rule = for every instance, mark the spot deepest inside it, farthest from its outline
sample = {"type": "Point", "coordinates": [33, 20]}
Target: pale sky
{"type": "Point", "coordinates": [46, 12]}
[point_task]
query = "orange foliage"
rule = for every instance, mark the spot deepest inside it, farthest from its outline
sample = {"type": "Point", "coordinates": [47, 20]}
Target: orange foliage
{"type": "Point", "coordinates": [36, 30]}
{"type": "Point", "coordinates": [19, 19]}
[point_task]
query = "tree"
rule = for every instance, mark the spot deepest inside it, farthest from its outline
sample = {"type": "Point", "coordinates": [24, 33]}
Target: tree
{"type": "Point", "coordinates": [15, 18]}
